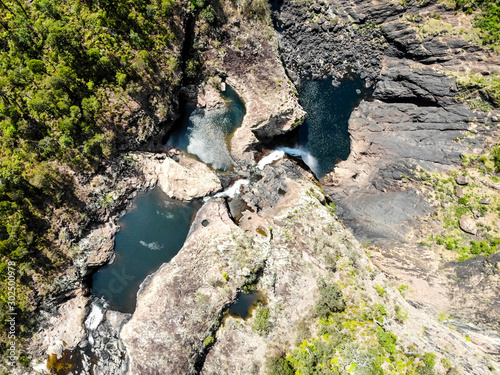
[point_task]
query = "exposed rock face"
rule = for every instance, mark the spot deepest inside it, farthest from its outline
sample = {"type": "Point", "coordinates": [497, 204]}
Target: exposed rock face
{"type": "Point", "coordinates": [101, 244]}
{"type": "Point", "coordinates": [252, 66]}
{"type": "Point", "coordinates": [178, 328]}
{"type": "Point", "coordinates": [187, 179]}
{"type": "Point", "coordinates": [67, 325]}
{"type": "Point", "coordinates": [318, 42]}
{"type": "Point", "coordinates": [181, 305]}
{"type": "Point", "coordinates": [415, 122]}
{"type": "Point", "coordinates": [467, 224]}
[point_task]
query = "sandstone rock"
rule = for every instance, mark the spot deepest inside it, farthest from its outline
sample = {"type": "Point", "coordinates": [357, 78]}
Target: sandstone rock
{"type": "Point", "coordinates": [187, 179]}
{"type": "Point", "coordinates": [485, 201]}
{"type": "Point", "coordinates": [177, 309]}
{"type": "Point", "coordinates": [462, 180]}
{"type": "Point", "coordinates": [101, 244]}
{"type": "Point", "coordinates": [468, 225]}
{"type": "Point", "coordinates": [181, 305]}
{"type": "Point", "coordinates": [460, 192]}
{"type": "Point", "coordinates": [66, 325]}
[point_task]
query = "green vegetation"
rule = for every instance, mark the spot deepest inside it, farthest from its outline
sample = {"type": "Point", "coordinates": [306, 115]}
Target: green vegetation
{"type": "Point", "coordinates": [387, 340]}
{"type": "Point", "coordinates": [209, 341]}
{"type": "Point", "coordinates": [68, 71]}
{"type": "Point", "coordinates": [352, 341]}
{"type": "Point", "coordinates": [261, 322]}
{"type": "Point", "coordinates": [444, 191]}
{"type": "Point", "coordinates": [330, 300]}
{"type": "Point", "coordinates": [381, 291]}
{"type": "Point", "coordinates": [480, 92]}
{"type": "Point", "coordinates": [487, 18]}
{"type": "Point", "coordinates": [279, 366]}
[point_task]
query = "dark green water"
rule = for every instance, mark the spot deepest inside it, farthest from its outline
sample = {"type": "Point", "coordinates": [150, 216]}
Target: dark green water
{"type": "Point", "coordinates": [205, 134]}
{"type": "Point", "coordinates": [150, 234]}
{"type": "Point", "coordinates": [245, 303]}
{"type": "Point", "coordinates": [324, 136]}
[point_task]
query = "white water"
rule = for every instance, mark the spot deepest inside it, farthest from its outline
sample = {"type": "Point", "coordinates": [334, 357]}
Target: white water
{"type": "Point", "coordinates": [306, 156]}
{"type": "Point", "coordinates": [95, 317]}
{"type": "Point", "coordinates": [233, 190]}
{"type": "Point", "coordinates": [273, 156]}
{"type": "Point", "coordinates": [207, 137]}
{"type": "Point", "coordinates": [151, 245]}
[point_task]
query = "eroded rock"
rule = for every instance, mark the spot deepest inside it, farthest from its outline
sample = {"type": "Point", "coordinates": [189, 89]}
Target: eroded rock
{"type": "Point", "coordinates": [187, 179]}
{"type": "Point", "coordinates": [467, 224]}
{"type": "Point", "coordinates": [462, 180]}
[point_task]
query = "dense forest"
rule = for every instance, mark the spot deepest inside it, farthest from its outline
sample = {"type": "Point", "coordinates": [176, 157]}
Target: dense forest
{"type": "Point", "coordinates": [65, 69]}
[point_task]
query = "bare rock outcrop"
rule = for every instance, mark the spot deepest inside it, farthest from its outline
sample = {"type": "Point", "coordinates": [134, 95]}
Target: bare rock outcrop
{"type": "Point", "coordinates": [251, 65]}
{"type": "Point", "coordinates": [187, 179]}
{"type": "Point", "coordinates": [181, 305]}
{"type": "Point", "coordinates": [178, 326]}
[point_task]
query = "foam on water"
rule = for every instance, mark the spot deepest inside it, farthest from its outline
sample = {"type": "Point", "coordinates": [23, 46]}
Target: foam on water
{"type": "Point", "coordinates": [151, 233]}
{"type": "Point", "coordinates": [152, 245]}
{"type": "Point", "coordinates": [233, 190]}
{"type": "Point", "coordinates": [95, 317]}
{"type": "Point", "coordinates": [273, 156]}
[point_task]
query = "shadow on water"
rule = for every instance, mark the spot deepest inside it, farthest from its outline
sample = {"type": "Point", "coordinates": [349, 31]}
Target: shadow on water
{"type": "Point", "coordinates": [151, 234]}
{"type": "Point", "coordinates": [206, 134]}
{"type": "Point", "coordinates": [245, 304]}
{"type": "Point", "coordinates": [323, 139]}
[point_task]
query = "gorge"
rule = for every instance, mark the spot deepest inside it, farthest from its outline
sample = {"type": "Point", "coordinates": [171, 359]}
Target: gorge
{"type": "Point", "coordinates": [303, 214]}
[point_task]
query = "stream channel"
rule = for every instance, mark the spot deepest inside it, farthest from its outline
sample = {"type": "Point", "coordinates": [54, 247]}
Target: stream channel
{"type": "Point", "coordinates": [155, 229]}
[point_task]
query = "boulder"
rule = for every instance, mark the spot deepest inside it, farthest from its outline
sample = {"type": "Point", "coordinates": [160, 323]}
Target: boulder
{"type": "Point", "coordinates": [100, 243]}
{"type": "Point", "coordinates": [462, 180]}
{"type": "Point", "coordinates": [460, 192]}
{"type": "Point", "coordinates": [65, 328]}
{"type": "Point", "coordinates": [485, 201]}
{"type": "Point", "coordinates": [468, 225]}
{"type": "Point", "coordinates": [187, 179]}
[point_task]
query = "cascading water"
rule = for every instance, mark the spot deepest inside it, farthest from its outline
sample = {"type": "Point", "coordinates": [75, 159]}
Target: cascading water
{"type": "Point", "coordinates": [323, 139]}
{"type": "Point", "coordinates": [207, 137]}
{"type": "Point", "coordinates": [306, 156]}
{"type": "Point", "coordinates": [205, 133]}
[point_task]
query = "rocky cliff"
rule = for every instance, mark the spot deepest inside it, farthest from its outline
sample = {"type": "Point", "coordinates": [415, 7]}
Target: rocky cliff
{"type": "Point", "coordinates": [421, 121]}
{"type": "Point", "coordinates": [325, 305]}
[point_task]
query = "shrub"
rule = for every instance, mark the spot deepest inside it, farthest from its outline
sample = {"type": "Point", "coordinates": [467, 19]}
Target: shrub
{"type": "Point", "coordinates": [387, 340]}
{"type": "Point", "coordinates": [279, 366]}
{"type": "Point", "coordinates": [330, 300]}
{"type": "Point", "coordinates": [209, 341]}
{"type": "Point", "coordinates": [381, 291]}
{"type": "Point", "coordinates": [192, 68]}
{"type": "Point", "coordinates": [495, 155]}
{"type": "Point", "coordinates": [401, 314]}
{"type": "Point", "coordinates": [256, 9]}
{"type": "Point", "coordinates": [208, 14]}
{"type": "Point", "coordinates": [429, 361]}
{"type": "Point", "coordinates": [261, 321]}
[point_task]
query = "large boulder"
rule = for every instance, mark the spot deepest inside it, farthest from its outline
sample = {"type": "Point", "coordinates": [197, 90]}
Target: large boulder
{"type": "Point", "coordinates": [187, 179]}
{"type": "Point", "coordinates": [468, 225]}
